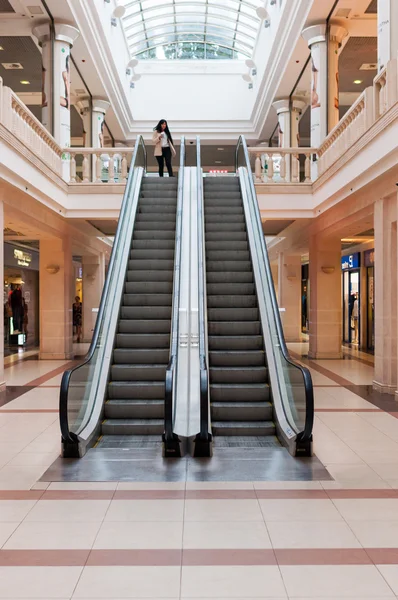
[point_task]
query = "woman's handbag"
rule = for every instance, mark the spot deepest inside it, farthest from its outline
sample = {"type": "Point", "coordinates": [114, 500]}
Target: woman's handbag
{"type": "Point", "coordinates": [173, 151]}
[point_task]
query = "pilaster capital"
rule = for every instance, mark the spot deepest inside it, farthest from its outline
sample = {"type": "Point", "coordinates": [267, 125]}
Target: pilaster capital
{"type": "Point", "coordinates": [100, 105]}
{"type": "Point", "coordinates": [337, 32]}
{"type": "Point", "coordinates": [299, 103]}
{"type": "Point", "coordinates": [314, 34]}
{"type": "Point", "coordinates": [282, 105]}
{"type": "Point", "coordinates": [42, 32]}
{"type": "Point", "coordinates": [66, 33]}
{"type": "Point", "coordinates": [83, 104]}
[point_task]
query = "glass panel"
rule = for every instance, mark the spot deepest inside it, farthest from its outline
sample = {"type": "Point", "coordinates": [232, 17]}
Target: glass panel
{"type": "Point", "coordinates": [81, 397]}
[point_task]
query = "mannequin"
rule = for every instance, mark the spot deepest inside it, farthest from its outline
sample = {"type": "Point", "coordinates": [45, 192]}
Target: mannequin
{"type": "Point", "coordinates": [17, 309]}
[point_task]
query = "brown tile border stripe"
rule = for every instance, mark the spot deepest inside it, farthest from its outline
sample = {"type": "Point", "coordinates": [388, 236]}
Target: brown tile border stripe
{"type": "Point", "coordinates": [322, 370]}
{"type": "Point", "coordinates": [53, 373]}
{"type": "Point", "coordinates": [140, 558]}
{"type": "Point", "coordinates": [372, 410]}
{"type": "Point", "coordinates": [223, 494]}
{"type": "Point", "coordinates": [200, 557]}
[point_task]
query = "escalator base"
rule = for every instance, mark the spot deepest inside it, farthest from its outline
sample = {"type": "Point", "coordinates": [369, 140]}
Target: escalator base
{"type": "Point", "coordinates": [245, 442]}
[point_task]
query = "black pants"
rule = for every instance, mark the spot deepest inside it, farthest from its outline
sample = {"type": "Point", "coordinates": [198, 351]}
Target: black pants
{"type": "Point", "coordinates": [166, 156]}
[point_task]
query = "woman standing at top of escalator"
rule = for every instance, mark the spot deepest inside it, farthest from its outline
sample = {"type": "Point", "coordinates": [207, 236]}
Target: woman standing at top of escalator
{"type": "Point", "coordinates": [164, 146]}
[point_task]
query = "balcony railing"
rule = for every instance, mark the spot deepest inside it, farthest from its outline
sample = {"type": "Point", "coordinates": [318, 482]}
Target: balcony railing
{"type": "Point", "coordinates": [99, 165]}
{"type": "Point", "coordinates": [282, 165]}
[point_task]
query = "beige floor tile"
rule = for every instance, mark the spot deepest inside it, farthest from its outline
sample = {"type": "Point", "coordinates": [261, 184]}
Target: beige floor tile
{"type": "Point", "coordinates": [82, 511]}
{"type": "Point", "coordinates": [353, 473]}
{"type": "Point", "coordinates": [368, 509]}
{"type": "Point", "coordinates": [6, 530]}
{"type": "Point", "coordinates": [232, 582]}
{"type": "Point", "coordinates": [226, 535]}
{"type": "Point", "coordinates": [38, 582]}
{"type": "Point", "coordinates": [57, 536]}
{"type": "Point", "coordinates": [299, 510]}
{"type": "Point", "coordinates": [304, 534]}
{"type": "Point", "coordinates": [376, 534]}
{"type": "Point", "coordinates": [287, 485]}
{"type": "Point", "coordinates": [26, 459]}
{"type": "Point", "coordinates": [136, 535]}
{"type": "Point", "coordinates": [151, 485]}
{"type": "Point", "coordinates": [363, 581]}
{"type": "Point", "coordinates": [145, 510]}
{"type": "Point", "coordinates": [129, 582]}
{"type": "Point", "coordinates": [390, 574]}
{"type": "Point", "coordinates": [83, 485]}
{"type": "Point", "coordinates": [219, 485]}
{"type": "Point", "coordinates": [15, 510]}
{"type": "Point", "coordinates": [222, 510]}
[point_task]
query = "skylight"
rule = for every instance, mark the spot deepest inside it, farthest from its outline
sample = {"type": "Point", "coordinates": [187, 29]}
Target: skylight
{"type": "Point", "coordinates": [191, 29]}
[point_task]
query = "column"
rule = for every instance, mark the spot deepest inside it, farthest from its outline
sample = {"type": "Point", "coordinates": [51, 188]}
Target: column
{"type": "Point", "coordinates": [93, 282]}
{"type": "Point", "coordinates": [84, 108]}
{"type": "Point", "coordinates": [290, 295]}
{"type": "Point", "coordinates": [58, 63]}
{"type": "Point", "coordinates": [387, 42]}
{"type": "Point", "coordinates": [385, 228]}
{"type": "Point", "coordinates": [336, 35]}
{"type": "Point", "coordinates": [56, 299]}
{"type": "Point", "coordinates": [2, 380]}
{"type": "Point", "coordinates": [282, 108]}
{"type": "Point", "coordinates": [298, 106]}
{"type": "Point", "coordinates": [99, 108]}
{"type": "Point", "coordinates": [315, 36]}
{"type": "Point", "coordinates": [325, 297]}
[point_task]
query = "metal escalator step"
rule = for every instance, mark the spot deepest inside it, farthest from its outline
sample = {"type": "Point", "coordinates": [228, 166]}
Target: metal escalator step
{"type": "Point", "coordinates": [136, 390]}
{"type": "Point", "coordinates": [246, 441]}
{"type": "Point", "coordinates": [134, 409]}
{"type": "Point", "coordinates": [164, 193]}
{"type": "Point", "coordinates": [230, 277]}
{"type": "Point", "coordinates": [156, 244]}
{"type": "Point", "coordinates": [235, 342]}
{"type": "Point", "coordinates": [160, 208]}
{"type": "Point", "coordinates": [144, 326]}
{"type": "Point", "coordinates": [243, 428]}
{"type": "Point", "coordinates": [241, 411]}
{"type": "Point", "coordinates": [227, 255]}
{"type": "Point", "coordinates": [224, 218]}
{"type": "Point", "coordinates": [143, 356]}
{"type": "Point", "coordinates": [142, 234]}
{"type": "Point", "coordinates": [231, 301]}
{"type": "Point", "coordinates": [127, 339]}
{"type": "Point", "coordinates": [147, 300]}
{"type": "Point", "coordinates": [237, 358]}
{"type": "Point", "coordinates": [152, 254]}
{"type": "Point", "coordinates": [142, 264]}
{"type": "Point", "coordinates": [133, 427]}
{"type": "Point", "coordinates": [152, 275]}
{"type": "Point", "coordinates": [255, 392]}
{"type": "Point", "coordinates": [158, 313]}
{"type": "Point", "coordinates": [228, 245]}
{"type": "Point", "coordinates": [137, 372]}
{"type": "Point", "coordinates": [149, 287]}
{"type": "Point", "coordinates": [231, 266]}
{"type": "Point", "coordinates": [214, 227]}
{"type": "Point", "coordinates": [234, 328]}
{"type": "Point", "coordinates": [233, 314]}
{"type": "Point", "coordinates": [239, 374]}
{"type": "Point", "coordinates": [225, 236]}
{"type": "Point", "coordinates": [154, 226]}
{"type": "Point", "coordinates": [222, 194]}
{"type": "Point", "coordinates": [232, 289]}
{"type": "Point", "coordinates": [224, 210]}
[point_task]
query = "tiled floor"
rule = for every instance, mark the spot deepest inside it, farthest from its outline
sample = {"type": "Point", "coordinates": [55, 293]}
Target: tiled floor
{"type": "Point", "coordinates": [205, 540]}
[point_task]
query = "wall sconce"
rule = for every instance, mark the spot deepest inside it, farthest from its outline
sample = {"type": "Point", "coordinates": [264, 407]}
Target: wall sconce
{"type": "Point", "coordinates": [113, 22]}
{"type": "Point", "coordinates": [135, 77]}
{"type": "Point", "coordinates": [291, 278]}
{"type": "Point", "coordinates": [132, 63]}
{"type": "Point", "coordinates": [247, 77]}
{"type": "Point", "coordinates": [119, 11]}
{"type": "Point", "coordinates": [90, 277]}
{"type": "Point", "coordinates": [263, 14]}
{"type": "Point", "coordinates": [128, 71]}
{"type": "Point", "coordinates": [52, 269]}
{"type": "Point", "coordinates": [328, 270]}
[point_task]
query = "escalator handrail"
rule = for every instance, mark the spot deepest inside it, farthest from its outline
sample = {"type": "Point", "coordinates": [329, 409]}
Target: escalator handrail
{"type": "Point", "coordinates": [172, 365]}
{"type": "Point", "coordinates": [306, 434]}
{"type": "Point", "coordinates": [67, 435]}
{"type": "Point", "coordinates": [202, 307]}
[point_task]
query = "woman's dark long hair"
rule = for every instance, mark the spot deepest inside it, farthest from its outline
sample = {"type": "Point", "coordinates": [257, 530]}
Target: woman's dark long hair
{"type": "Point", "coordinates": [158, 128]}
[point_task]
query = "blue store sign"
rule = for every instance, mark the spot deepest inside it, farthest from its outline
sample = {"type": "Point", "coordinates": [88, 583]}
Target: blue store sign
{"type": "Point", "coordinates": [351, 261]}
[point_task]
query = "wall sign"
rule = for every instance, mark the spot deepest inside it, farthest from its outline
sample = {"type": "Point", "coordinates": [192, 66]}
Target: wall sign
{"type": "Point", "coordinates": [350, 261]}
{"type": "Point", "coordinates": [23, 258]}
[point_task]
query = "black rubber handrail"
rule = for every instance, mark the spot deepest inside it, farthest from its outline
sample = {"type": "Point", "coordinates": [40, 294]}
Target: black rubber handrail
{"type": "Point", "coordinates": [303, 437]}
{"type": "Point", "coordinates": [170, 439]}
{"type": "Point", "coordinates": [203, 439]}
{"type": "Point", "coordinates": [69, 437]}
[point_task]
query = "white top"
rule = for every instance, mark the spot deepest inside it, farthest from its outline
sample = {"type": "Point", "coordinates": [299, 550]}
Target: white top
{"type": "Point", "coordinates": [355, 310]}
{"type": "Point", "coordinates": [164, 140]}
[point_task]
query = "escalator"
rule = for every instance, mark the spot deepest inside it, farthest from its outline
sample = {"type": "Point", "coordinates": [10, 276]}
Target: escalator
{"type": "Point", "coordinates": [257, 396]}
{"type": "Point", "coordinates": [135, 395]}
{"type": "Point", "coordinates": [122, 395]}
{"type": "Point", "coordinates": [239, 383]}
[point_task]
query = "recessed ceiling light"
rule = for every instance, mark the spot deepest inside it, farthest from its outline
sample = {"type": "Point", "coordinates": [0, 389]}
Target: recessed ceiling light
{"type": "Point", "coordinates": [357, 81]}
{"type": "Point", "coordinates": [220, 148]}
{"type": "Point", "coordinates": [1, 48]}
{"type": "Point", "coordinates": [25, 82]}
{"type": "Point", "coordinates": [218, 162]}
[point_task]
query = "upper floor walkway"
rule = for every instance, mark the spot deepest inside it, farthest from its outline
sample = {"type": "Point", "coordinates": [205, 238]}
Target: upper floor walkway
{"type": "Point", "coordinates": [290, 182]}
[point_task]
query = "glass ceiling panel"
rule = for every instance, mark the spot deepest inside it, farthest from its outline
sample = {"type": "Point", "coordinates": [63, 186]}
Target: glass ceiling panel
{"type": "Point", "coordinates": [203, 28]}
